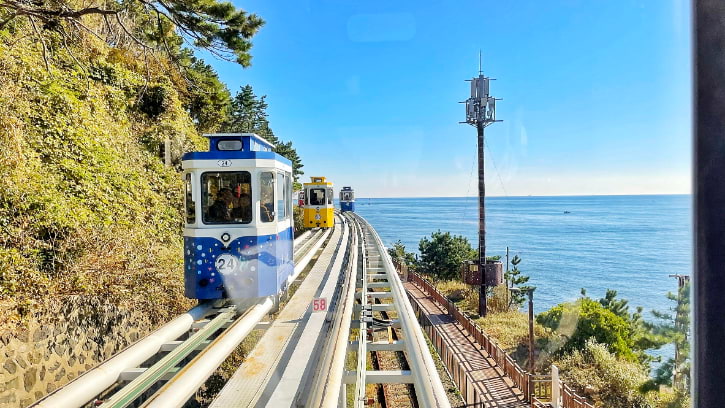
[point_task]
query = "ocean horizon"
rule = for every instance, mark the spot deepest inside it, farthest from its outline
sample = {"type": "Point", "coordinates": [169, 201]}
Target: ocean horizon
{"type": "Point", "coordinates": [542, 196]}
{"type": "Point", "coordinates": [629, 243]}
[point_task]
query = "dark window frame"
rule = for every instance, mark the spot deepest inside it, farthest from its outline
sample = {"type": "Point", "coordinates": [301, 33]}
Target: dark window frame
{"type": "Point", "coordinates": [203, 191]}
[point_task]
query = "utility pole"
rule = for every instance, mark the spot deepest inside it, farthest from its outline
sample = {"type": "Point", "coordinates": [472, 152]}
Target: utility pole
{"type": "Point", "coordinates": [529, 290]}
{"type": "Point", "coordinates": [481, 112]}
{"type": "Point", "coordinates": [682, 280]}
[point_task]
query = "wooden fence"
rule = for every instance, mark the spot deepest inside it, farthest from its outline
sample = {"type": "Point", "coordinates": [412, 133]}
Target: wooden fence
{"type": "Point", "coordinates": [536, 388]}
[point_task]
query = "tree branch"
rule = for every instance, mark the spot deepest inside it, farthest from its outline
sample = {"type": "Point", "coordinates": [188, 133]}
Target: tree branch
{"type": "Point", "coordinates": [42, 41]}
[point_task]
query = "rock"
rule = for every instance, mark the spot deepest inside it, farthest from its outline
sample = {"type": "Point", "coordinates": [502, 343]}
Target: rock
{"type": "Point", "coordinates": [36, 357]}
{"type": "Point", "coordinates": [50, 388]}
{"type": "Point", "coordinates": [23, 336]}
{"type": "Point", "coordinates": [42, 333]}
{"type": "Point", "coordinates": [11, 384]}
{"type": "Point", "coordinates": [10, 366]}
{"type": "Point", "coordinates": [42, 373]}
{"type": "Point", "coordinates": [38, 395]}
{"type": "Point", "coordinates": [30, 378]}
{"type": "Point", "coordinates": [54, 366]}
{"type": "Point", "coordinates": [26, 402]}
{"type": "Point", "coordinates": [60, 374]}
{"type": "Point", "coordinates": [7, 398]}
{"type": "Point", "coordinates": [21, 362]}
{"type": "Point", "coordinates": [61, 338]}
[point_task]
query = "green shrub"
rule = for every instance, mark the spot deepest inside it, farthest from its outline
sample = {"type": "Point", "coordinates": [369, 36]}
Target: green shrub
{"type": "Point", "coordinates": [84, 207]}
{"type": "Point", "coordinates": [299, 222]}
{"type": "Point", "coordinates": [577, 322]}
{"type": "Point", "coordinates": [598, 374]}
{"type": "Point", "coordinates": [443, 254]}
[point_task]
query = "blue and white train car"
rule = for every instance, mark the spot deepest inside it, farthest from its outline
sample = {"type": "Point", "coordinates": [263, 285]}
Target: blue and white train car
{"type": "Point", "coordinates": [238, 237]}
{"type": "Point", "coordinates": [347, 199]}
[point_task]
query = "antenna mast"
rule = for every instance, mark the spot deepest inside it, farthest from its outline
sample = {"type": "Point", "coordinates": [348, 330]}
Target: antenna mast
{"type": "Point", "coordinates": [481, 112]}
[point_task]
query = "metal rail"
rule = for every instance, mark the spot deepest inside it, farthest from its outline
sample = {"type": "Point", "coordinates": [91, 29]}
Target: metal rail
{"type": "Point", "coordinates": [180, 388]}
{"type": "Point", "coordinates": [366, 316]}
{"type": "Point", "coordinates": [373, 270]}
{"type": "Point", "coordinates": [96, 380]}
{"type": "Point", "coordinates": [150, 376]}
{"type": "Point", "coordinates": [279, 370]}
{"type": "Point", "coordinates": [123, 366]}
{"type": "Point", "coordinates": [423, 374]}
{"type": "Point", "coordinates": [331, 392]}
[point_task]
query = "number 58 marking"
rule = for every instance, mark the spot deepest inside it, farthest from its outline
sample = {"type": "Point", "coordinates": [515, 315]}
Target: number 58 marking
{"type": "Point", "coordinates": [319, 305]}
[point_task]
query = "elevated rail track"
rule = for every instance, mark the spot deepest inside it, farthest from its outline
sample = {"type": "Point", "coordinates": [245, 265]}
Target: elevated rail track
{"type": "Point", "coordinates": [307, 356]}
{"type": "Point", "coordinates": [347, 336]}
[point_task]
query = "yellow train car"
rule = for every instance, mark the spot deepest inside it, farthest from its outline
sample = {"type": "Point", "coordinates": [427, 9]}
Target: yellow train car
{"type": "Point", "coordinates": [319, 207]}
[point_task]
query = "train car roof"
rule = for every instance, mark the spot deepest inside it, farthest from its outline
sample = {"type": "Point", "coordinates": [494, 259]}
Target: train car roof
{"type": "Point", "coordinates": [318, 181]}
{"type": "Point", "coordinates": [254, 136]}
{"type": "Point", "coordinates": [234, 154]}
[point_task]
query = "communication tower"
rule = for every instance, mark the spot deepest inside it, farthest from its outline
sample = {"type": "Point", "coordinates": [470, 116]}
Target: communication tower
{"type": "Point", "coordinates": [481, 112]}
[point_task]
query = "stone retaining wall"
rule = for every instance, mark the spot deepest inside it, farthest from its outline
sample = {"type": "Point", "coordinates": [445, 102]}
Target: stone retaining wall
{"type": "Point", "coordinates": [63, 339]}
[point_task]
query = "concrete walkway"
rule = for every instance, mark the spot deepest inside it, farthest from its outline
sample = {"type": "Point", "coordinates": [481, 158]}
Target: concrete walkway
{"type": "Point", "coordinates": [495, 389]}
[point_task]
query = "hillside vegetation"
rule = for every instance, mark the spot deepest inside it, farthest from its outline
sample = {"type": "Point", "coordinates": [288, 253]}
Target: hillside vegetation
{"type": "Point", "coordinates": [86, 204]}
{"type": "Point", "coordinates": [87, 104]}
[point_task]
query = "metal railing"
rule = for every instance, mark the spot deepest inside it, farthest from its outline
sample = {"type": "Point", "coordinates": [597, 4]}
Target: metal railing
{"type": "Point", "coordinates": [536, 388]}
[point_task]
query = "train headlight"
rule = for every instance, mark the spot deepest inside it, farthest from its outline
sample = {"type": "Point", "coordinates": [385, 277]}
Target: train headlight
{"type": "Point", "coordinates": [226, 237]}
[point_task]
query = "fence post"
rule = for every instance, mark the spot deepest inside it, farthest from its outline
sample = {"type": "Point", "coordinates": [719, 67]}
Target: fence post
{"type": "Point", "coordinates": [554, 386]}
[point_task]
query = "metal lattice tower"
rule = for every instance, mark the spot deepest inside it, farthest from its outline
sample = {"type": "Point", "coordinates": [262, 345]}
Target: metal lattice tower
{"type": "Point", "coordinates": [481, 112]}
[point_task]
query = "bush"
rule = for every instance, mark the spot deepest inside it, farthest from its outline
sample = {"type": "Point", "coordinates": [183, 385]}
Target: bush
{"type": "Point", "coordinates": [454, 290]}
{"type": "Point", "coordinates": [298, 218]}
{"type": "Point", "coordinates": [443, 254]}
{"type": "Point", "coordinates": [599, 375]}
{"type": "Point", "coordinates": [577, 322]}
{"type": "Point", "coordinates": [84, 207]}
{"type": "Point", "coordinates": [398, 253]}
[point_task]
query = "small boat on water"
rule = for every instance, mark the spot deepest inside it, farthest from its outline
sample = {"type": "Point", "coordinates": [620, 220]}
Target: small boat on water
{"type": "Point", "coordinates": [567, 212]}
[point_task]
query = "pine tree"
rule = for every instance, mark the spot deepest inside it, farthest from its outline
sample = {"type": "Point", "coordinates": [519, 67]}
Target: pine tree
{"type": "Point", "coordinates": [516, 279]}
{"type": "Point", "coordinates": [216, 27]}
{"type": "Point", "coordinates": [675, 329]}
{"type": "Point", "coordinates": [248, 113]}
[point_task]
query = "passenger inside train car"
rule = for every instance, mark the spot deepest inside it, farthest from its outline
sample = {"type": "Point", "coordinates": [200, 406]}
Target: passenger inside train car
{"type": "Point", "coordinates": [266, 203]}
{"type": "Point", "coordinates": [242, 204]}
{"type": "Point", "coordinates": [233, 201]}
{"type": "Point", "coordinates": [317, 196]}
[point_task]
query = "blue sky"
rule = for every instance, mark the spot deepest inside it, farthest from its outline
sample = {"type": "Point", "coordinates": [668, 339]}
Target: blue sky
{"type": "Point", "coordinates": [596, 94]}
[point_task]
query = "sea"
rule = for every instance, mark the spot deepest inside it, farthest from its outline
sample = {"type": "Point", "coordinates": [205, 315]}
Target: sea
{"type": "Point", "coordinates": [631, 244]}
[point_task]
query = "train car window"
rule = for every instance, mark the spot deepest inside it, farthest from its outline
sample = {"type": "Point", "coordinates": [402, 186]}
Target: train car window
{"type": "Point", "coordinates": [330, 194]}
{"type": "Point", "coordinates": [226, 197]}
{"type": "Point", "coordinates": [229, 145]}
{"type": "Point", "coordinates": [266, 201]}
{"type": "Point", "coordinates": [189, 201]}
{"type": "Point", "coordinates": [316, 196]}
{"type": "Point", "coordinates": [288, 189]}
{"type": "Point", "coordinates": [281, 197]}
